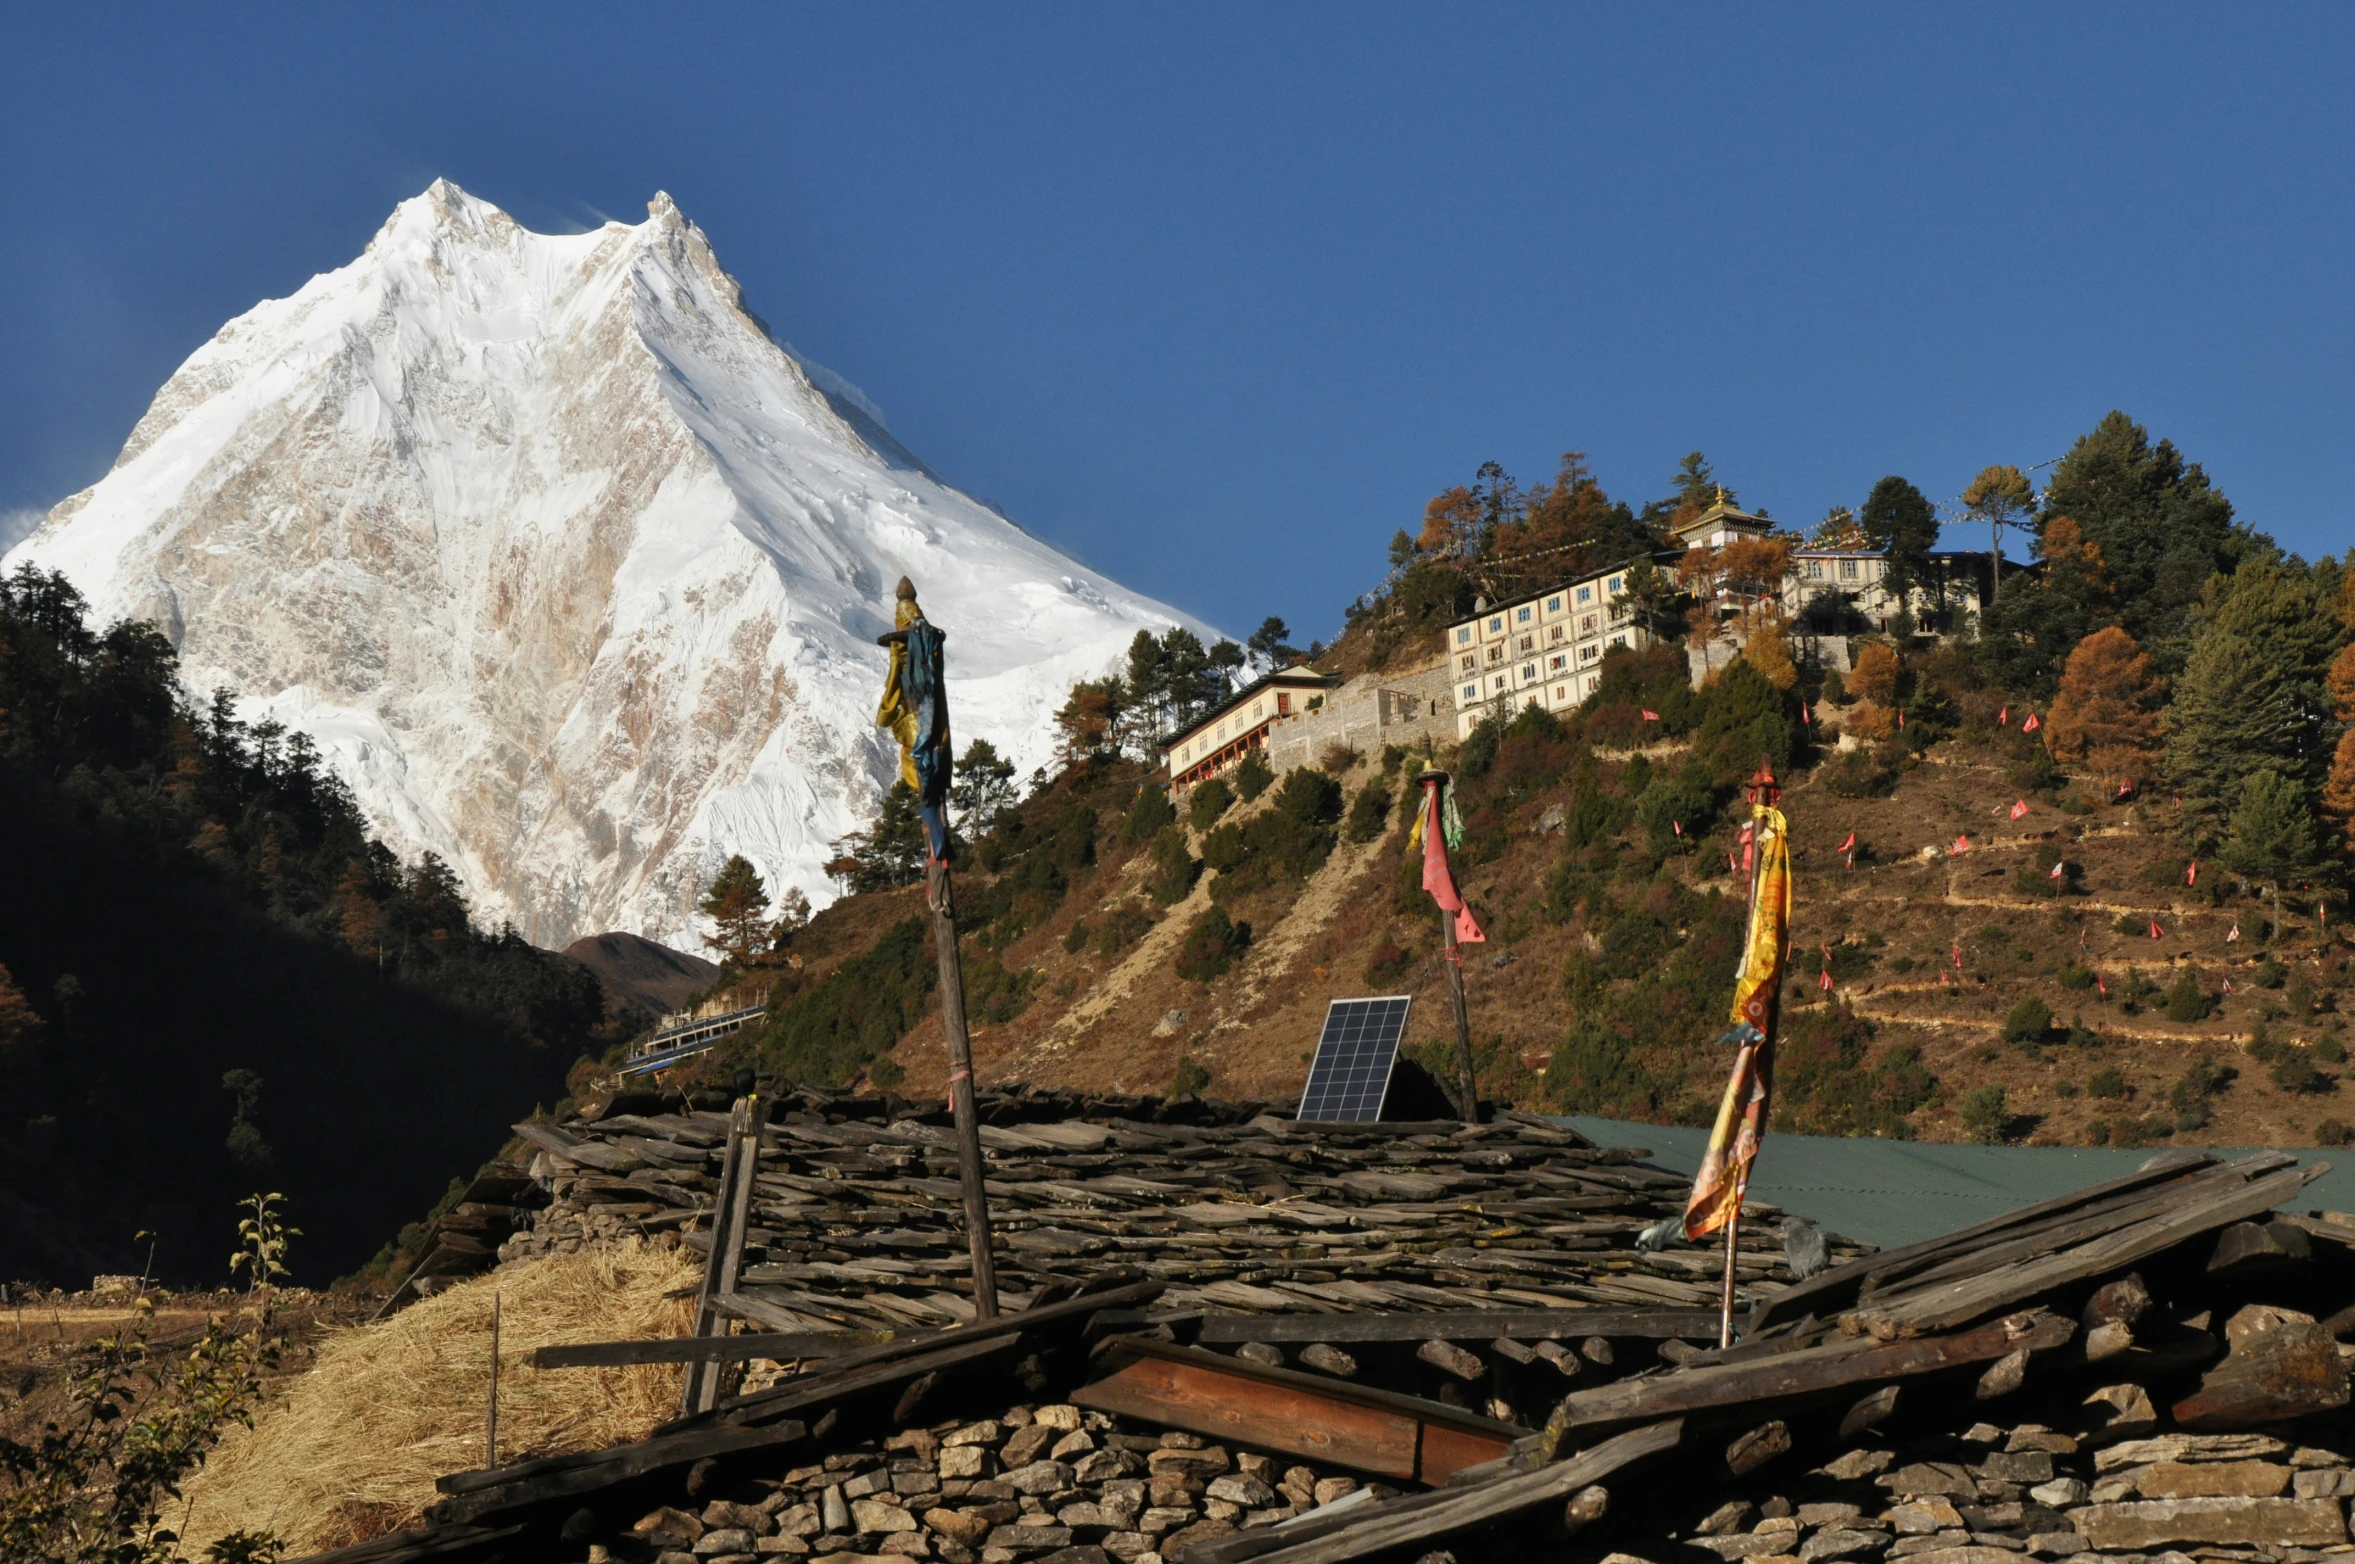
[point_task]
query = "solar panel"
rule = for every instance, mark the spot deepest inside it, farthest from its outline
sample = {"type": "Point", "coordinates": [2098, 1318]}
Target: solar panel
{"type": "Point", "coordinates": [1351, 1073]}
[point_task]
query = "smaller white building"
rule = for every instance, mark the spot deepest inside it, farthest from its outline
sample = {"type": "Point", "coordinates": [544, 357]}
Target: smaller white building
{"type": "Point", "coordinates": [1241, 724]}
{"type": "Point", "coordinates": [1543, 651]}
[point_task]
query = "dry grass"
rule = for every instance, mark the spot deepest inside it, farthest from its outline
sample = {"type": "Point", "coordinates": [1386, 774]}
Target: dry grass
{"type": "Point", "coordinates": [351, 1448]}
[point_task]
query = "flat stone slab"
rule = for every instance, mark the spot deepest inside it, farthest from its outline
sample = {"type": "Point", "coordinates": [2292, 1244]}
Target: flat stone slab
{"type": "Point", "coordinates": [2256, 1523]}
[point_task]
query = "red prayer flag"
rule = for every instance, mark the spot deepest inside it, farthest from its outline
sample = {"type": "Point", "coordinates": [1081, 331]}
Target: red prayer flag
{"type": "Point", "coordinates": [2032, 724]}
{"type": "Point", "coordinates": [2156, 931]}
{"type": "Point", "coordinates": [1438, 879]}
{"type": "Point", "coordinates": [1901, 716]}
{"type": "Point", "coordinates": [2056, 872]}
{"type": "Point", "coordinates": [1651, 716]}
{"type": "Point", "coordinates": [2003, 718]}
{"type": "Point", "coordinates": [2191, 872]}
{"type": "Point", "coordinates": [1958, 958]}
{"type": "Point", "coordinates": [2228, 985]}
{"type": "Point", "coordinates": [1849, 845]}
{"type": "Point", "coordinates": [1962, 844]}
{"type": "Point", "coordinates": [2101, 983]}
{"type": "Point", "coordinates": [1827, 980]}
{"type": "Point", "coordinates": [2235, 934]}
{"type": "Point", "coordinates": [2020, 808]}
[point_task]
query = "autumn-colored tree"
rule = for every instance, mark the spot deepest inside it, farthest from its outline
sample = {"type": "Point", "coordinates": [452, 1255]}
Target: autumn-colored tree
{"type": "Point", "coordinates": [1084, 727]}
{"type": "Point", "coordinates": [2001, 497]}
{"type": "Point", "coordinates": [2339, 683]}
{"type": "Point", "coordinates": [359, 917]}
{"type": "Point", "coordinates": [1874, 675]}
{"type": "Point", "coordinates": [2338, 794]}
{"type": "Point", "coordinates": [2074, 567]}
{"type": "Point", "coordinates": [20, 1023]}
{"type": "Point", "coordinates": [2106, 716]}
{"type": "Point", "coordinates": [1755, 566]}
{"type": "Point", "coordinates": [737, 904]}
{"type": "Point", "coordinates": [1839, 529]}
{"type": "Point", "coordinates": [1768, 649]}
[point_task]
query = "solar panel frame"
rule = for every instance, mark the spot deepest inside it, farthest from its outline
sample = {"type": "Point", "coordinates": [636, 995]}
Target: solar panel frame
{"type": "Point", "coordinates": [1357, 1053]}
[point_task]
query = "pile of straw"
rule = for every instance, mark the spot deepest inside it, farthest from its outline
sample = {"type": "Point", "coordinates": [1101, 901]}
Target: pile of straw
{"type": "Point", "coordinates": [350, 1449]}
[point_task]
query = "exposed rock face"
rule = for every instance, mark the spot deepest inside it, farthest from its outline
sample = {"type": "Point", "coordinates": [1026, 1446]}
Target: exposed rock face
{"type": "Point", "coordinates": [572, 572]}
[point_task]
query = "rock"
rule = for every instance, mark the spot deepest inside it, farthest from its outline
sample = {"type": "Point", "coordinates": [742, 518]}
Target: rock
{"type": "Point", "coordinates": [2245, 1248]}
{"type": "Point", "coordinates": [799, 1520]}
{"type": "Point", "coordinates": [1771, 1524]}
{"type": "Point", "coordinates": [966, 1531]}
{"type": "Point", "coordinates": [1169, 1023]}
{"type": "Point", "coordinates": [2029, 1466]}
{"type": "Point", "coordinates": [1551, 820]}
{"type": "Point", "coordinates": [1330, 1488]}
{"type": "Point", "coordinates": [1078, 1442]}
{"type": "Point", "coordinates": [727, 1539]}
{"type": "Point", "coordinates": [964, 1462]}
{"type": "Point", "coordinates": [2005, 1375]}
{"type": "Point", "coordinates": [1267, 1354]}
{"type": "Point", "coordinates": [1930, 1479]}
{"type": "Point", "coordinates": [1163, 1517]}
{"type": "Point", "coordinates": [1030, 1537]}
{"type": "Point", "coordinates": [1870, 1411]}
{"type": "Point", "coordinates": [2211, 1480]}
{"type": "Point", "coordinates": [2187, 1447]}
{"type": "Point", "coordinates": [2323, 1484]}
{"type": "Point", "coordinates": [1924, 1516]}
{"type": "Point", "coordinates": [1039, 1477]}
{"type": "Point", "coordinates": [2056, 1544]}
{"type": "Point", "coordinates": [915, 1484]}
{"type": "Point", "coordinates": [1064, 1418]}
{"type": "Point", "coordinates": [1982, 1434]}
{"type": "Point", "coordinates": [880, 1516]}
{"type": "Point", "coordinates": [1757, 1447]}
{"type": "Point", "coordinates": [1743, 1544]}
{"type": "Point", "coordinates": [1856, 1464]}
{"type": "Point", "coordinates": [743, 1517]}
{"type": "Point", "coordinates": [1968, 1554]}
{"type": "Point", "coordinates": [2107, 1340]}
{"type": "Point", "coordinates": [1725, 1518]}
{"type": "Point", "coordinates": [1127, 1546]}
{"type": "Point", "coordinates": [2060, 1492]}
{"type": "Point", "coordinates": [983, 1433]}
{"type": "Point", "coordinates": [2119, 1412]}
{"type": "Point", "coordinates": [2035, 1436]}
{"type": "Point", "coordinates": [1243, 1489]}
{"type": "Point", "coordinates": [1841, 1544]}
{"type": "Point", "coordinates": [1596, 1350]}
{"type": "Point", "coordinates": [1100, 1466]}
{"type": "Point", "coordinates": [866, 1484]}
{"type": "Point", "coordinates": [1024, 1444]}
{"type": "Point", "coordinates": [2244, 1522]}
{"type": "Point", "coordinates": [834, 1510]}
{"type": "Point", "coordinates": [1085, 1554]}
{"type": "Point", "coordinates": [1175, 1544]}
{"type": "Point", "coordinates": [1586, 1506]}
{"type": "Point", "coordinates": [669, 1528]}
{"type": "Point", "coordinates": [1092, 1517]}
{"type": "Point", "coordinates": [1828, 1514]}
{"type": "Point", "coordinates": [1326, 1359]}
{"type": "Point", "coordinates": [1200, 1462]}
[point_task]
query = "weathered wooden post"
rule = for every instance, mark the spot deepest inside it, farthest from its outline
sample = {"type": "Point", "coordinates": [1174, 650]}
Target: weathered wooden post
{"type": "Point", "coordinates": [915, 709]}
{"type": "Point", "coordinates": [490, 1437]}
{"type": "Point", "coordinates": [1439, 880]}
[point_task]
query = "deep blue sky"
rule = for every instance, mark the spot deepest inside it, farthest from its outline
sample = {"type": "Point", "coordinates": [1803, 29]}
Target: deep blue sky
{"type": "Point", "coordinates": [1218, 296]}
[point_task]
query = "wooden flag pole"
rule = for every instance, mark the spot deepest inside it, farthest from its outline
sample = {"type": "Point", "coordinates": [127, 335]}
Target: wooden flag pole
{"type": "Point", "coordinates": [899, 712]}
{"type": "Point", "coordinates": [938, 895]}
{"type": "Point", "coordinates": [1468, 1085]}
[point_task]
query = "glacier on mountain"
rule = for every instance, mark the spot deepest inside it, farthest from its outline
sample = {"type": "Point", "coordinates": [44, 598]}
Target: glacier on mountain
{"type": "Point", "coordinates": [572, 572]}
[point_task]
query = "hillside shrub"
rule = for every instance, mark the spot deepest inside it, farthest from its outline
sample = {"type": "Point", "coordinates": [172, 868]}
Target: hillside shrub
{"type": "Point", "coordinates": [1369, 812]}
{"type": "Point", "coordinates": [1208, 801]}
{"type": "Point", "coordinates": [1387, 963]}
{"type": "Point", "coordinates": [1148, 812]}
{"type": "Point", "coordinates": [2076, 976]}
{"type": "Point", "coordinates": [2029, 1021]}
{"type": "Point", "coordinates": [2334, 1132]}
{"type": "Point", "coordinates": [1172, 870]}
{"type": "Point", "coordinates": [1212, 943]}
{"type": "Point", "coordinates": [1122, 927]}
{"type": "Point", "coordinates": [1191, 1078]}
{"type": "Point", "coordinates": [1075, 938]}
{"type": "Point", "coordinates": [2187, 1001]}
{"type": "Point", "coordinates": [2108, 1081]}
{"type": "Point", "coordinates": [1987, 1115]}
{"type": "Point", "coordinates": [994, 992]}
{"type": "Point", "coordinates": [2269, 974]}
{"type": "Point", "coordinates": [1676, 812]}
{"type": "Point", "coordinates": [1861, 773]}
{"type": "Point", "coordinates": [1253, 776]}
{"type": "Point", "coordinates": [1288, 840]}
{"type": "Point", "coordinates": [1480, 747]}
{"type": "Point", "coordinates": [1827, 1082]}
{"type": "Point", "coordinates": [823, 1034]}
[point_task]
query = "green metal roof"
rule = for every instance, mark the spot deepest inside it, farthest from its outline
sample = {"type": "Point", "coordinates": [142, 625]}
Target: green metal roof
{"type": "Point", "coordinates": [1889, 1192]}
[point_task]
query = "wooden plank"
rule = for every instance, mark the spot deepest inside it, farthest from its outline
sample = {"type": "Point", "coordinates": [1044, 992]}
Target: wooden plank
{"type": "Point", "coordinates": [448, 1544]}
{"type": "Point", "coordinates": [781, 1345]}
{"type": "Point", "coordinates": [1460, 1325]}
{"type": "Point", "coordinates": [1403, 1524]}
{"type": "Point", "coordinates": [729, 1220]}
{"type": "Point", "coordinates": [1971, 1298]}
{"type": "Point", "coordinates": [1304, 1414]}
{"type": "Point", "coordinates": [1811, 1371]}
{"type": "Point", "coordinates": [1835, 1288]}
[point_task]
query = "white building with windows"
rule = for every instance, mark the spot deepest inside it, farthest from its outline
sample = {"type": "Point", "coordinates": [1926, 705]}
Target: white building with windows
{"type": "Point", "coordinates": [1544, 651]}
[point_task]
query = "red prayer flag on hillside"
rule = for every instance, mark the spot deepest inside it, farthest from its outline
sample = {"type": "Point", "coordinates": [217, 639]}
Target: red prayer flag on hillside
{"type": "Point", "coordinates": [2235, 934]}
{"type": "Point", "coordinates": [1677, 826]}
{"type": "Point", "coordinates": [1803, 722]}
{"type": "Point", "coordinates": [2156, 931]}
{"type": "Point", "coordinates": [2056, 874]}
{"type": "Point", "coordinates": [1438, 878]}
{"type": "Point", "coordinates": [1962, 844]}
{"type": "Point", "coordinates": [2032, 724]}
{"type": "Point", "coordinates": [2191, 872]}
{"type": "Point", "coordinates": [1650, 715]}
{"type": "Point", "coordinates": [1849, 845]}
{"type": "Point", "coordinates": [2003, 718]}
{"type": "Point", "coordinates": [1958, 958]}
{"type": "Point", "coordinates": [2101, 983]}
{"type": "Point", "coordinates": [2020, 808]}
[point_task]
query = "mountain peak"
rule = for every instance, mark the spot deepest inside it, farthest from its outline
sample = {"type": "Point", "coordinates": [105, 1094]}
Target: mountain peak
{"type": "Point", "coordinates": [570, 570]}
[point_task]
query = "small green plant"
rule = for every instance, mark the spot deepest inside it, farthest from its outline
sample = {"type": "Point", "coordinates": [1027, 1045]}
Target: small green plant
{"type": "Point", "coordinates": [2334, 1132]}
{"type": "Point", "coordinates": [2064, 1089]}
{"type": "Point", "coordinates": [2081, 1035]}
{"type": "Point", "coordinates": [2203, 1080]}
{"type": "Point", "coordinates": [1387, 963]}
{"type": "Point", "coordinates": [1987, 1115]}
{"type": "Point", "coordinates": [1076, 939]}
{"type": "Point", "coordinates": [2029, 1021]}
{"type": "Point", "coordinates": [1208, 801]}
{"type": "Point", "coordinates": [1211, 946]}
{"type": "Point", "coordinates": [2129, 923]}
{"type": "Point", "coordinates": [1172, 870]}
{"type": "Point", "coordinates": [885, 1073]}
{"type": "Point", "coordinates": [1147, 814]}
{"type": "Point", "coordinates": [1123, 927]}
{"type": "Point", "coordinates": [2187, 1001]}
{"type": "Point", "coordinates": [1189, 1079]}
{"type": "Point", "coordinates": [2269, 974]}
{"type": "Point", "coordinates": [1253, 777]}
{"type": "Point", "coordinates": [98, 1484]}
{"type": "Point", "coordinates": [1368, 812]}
{"type": "Point", "coordinates": [2108, 1082]}
{"type": "Point", "coordinates": [1901, 964]}
{"type": "Point", "coordinates": [2299, 997]}
{"type": "Point", "coordinates": [2076, 976]}
{"type": "Point", "coordinates": [2331, 1051]}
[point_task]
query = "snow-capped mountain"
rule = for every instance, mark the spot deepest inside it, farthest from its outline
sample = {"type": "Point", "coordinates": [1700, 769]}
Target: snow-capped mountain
{"type": "Point", "coordinates": [570, 569]}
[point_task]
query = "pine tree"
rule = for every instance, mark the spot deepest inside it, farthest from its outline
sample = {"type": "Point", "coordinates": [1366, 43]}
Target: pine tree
{"type": "Point", "coordinates": [737, 904]}
{"type": "Point", "coordinates": [984, 786]}
{"type": "Point", "coordinates": [2273, 836]}
{"type": "Point", "coordinates": [2000, 497]}
{"type": "Point", "coordinates": [2106, 715]}
{"type": "Point", "coordinates": [2231, 716]}
{"type": "Point", "coordinates": [1898, 518]}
